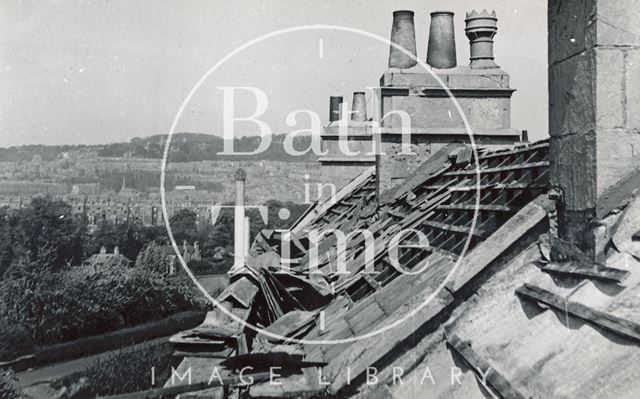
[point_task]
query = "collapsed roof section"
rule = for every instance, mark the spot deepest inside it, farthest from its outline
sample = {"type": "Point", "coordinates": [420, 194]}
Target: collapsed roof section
{"type": "Point", "coordinates": [504, 191]}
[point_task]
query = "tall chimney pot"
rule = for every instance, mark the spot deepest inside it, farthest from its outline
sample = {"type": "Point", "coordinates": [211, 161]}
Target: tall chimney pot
{"type": "Point", "coordinates": [480, 28]}
{"type": "Point", "coordinates": [359, 108]}
{"type": "Point", "coordinates": [334, 108]}
{"type": "Point", "coordinates": [239, 238]}
{"type": "Point", "coordinates": [403, 33]}
{"type": "Point", "coordinates": [441, 52]}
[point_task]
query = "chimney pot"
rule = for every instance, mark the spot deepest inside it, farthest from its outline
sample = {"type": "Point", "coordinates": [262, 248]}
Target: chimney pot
{"type": "Point", "coordinates": [480, 28]}
{"type": "Point", "coordinates": [359, 108]}
{"type": "Point", "coordinates": [240, 174]}
{"type": "Point", "coordinates": [403, 33]}
{"type": "Point", "coordinates": [334, 108]}
{"type": "Point", "coordinates": [441, 51]}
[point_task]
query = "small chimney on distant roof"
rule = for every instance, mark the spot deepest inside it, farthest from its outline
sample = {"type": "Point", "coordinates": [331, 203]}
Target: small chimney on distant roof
{"type": "Point", "coordinates": [103, 250]}
{"type": "Point", "coordinates": [334, 108]}
{"type": "Point", "coordinates": [441, 51]}
{"type": "Point", "coordinates": [116, 250]}
{"type": "Point", "coordinates": [359, 108]}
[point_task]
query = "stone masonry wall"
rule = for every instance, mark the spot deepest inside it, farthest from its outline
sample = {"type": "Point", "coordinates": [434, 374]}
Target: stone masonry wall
{"type": "Point", "coordinates": [594, 95]}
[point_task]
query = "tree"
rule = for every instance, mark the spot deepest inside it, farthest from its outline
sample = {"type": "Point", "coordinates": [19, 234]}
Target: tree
{"type": "Point", "coordinates": [44, 225]}
{"type": "Point", "coordinates": [183, 225]}
{"type": "Point", "coordinates": [153, 258]}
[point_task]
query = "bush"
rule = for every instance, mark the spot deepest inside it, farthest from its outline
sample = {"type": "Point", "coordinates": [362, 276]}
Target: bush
{"type": "Point", "coordinates": [15, 340]}
{"type": "Point", "coordinates": [81, 301]}
{"type": "Point", "coordinates": [9, 388]}
{"type": "Point", "coordinates": [125, 371]}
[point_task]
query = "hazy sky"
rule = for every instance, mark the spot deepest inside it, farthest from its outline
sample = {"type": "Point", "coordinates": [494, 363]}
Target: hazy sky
{"type": "Point", "coordinates": [88, 72]}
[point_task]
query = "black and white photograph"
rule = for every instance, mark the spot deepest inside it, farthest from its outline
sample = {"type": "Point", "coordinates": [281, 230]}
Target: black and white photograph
{"type": "Point", "coordinates": [319, 199]}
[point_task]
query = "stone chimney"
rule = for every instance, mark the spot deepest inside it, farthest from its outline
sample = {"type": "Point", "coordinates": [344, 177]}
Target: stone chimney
{"type": "Point", "coordinates": [335, 103]}
{"type": "Point", "coordinates": [403, 33]}
{"type": "Point", "coordinates": [103, 250]}
{"type": "Point", "coordinates": [116, 250]}
{"type": "Point", "coordinates": [594, 96]}
{"type": "Point", "coordinates": [239, 250]}
{"type": "Point", "coordinates": [441, 52]}
{"type": "Point", "coordinates": [481, 28]}
{"type": "Point", "coordinates": [338, 167]}
{"type": "Point", "coordinates": [484, 96]}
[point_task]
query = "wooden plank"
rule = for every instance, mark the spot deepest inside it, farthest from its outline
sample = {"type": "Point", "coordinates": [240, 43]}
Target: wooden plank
{"type": "Point", "coordinates": [487, 251]}
{"type": "Point", "coordinates": [361, 353]}
{"type": "Point", "coordinates": [405, 287]}
{"type": "Point", "coordinates": [499, 169]}
{"type": "Point", "coordinates": [608, 322]}
{"type": "Point", "coordinates": [500, 186]}
{"type": "Point", "coordinates": [481, 367]}
{"type": "Point", "coordinates": [581, 265]}
{"type": "Point", "coordinates": [345, 193]}
{"type": "Point", "coordinates": [596, 272]}
{"type": "Point", "coordinates": [501, 153]}
{"type": "Point", "coordinates": [243, 291]}
{"type": "Point", "coordinates": [480, 207]}
{"type": "Point", "coordinates": [455, 229]}
{"type": "Point", "coordinates": [363, 318]}
{"type": "Point", "coordinates": [291, 323]}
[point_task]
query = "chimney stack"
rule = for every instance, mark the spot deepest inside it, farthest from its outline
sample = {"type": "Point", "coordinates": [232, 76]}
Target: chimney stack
{"type": "Point", "coordinates": [239, 238]}
{"type": "Point", "coordinates": [334, 108]}
{"type": "Point", "coordinates": [403, 33]}
{"type": "Point", "coordinates": [480, 28]}
{"type": "Point", "coordinates": [441, 52]}
{"type": "Point", "coordinates": [359, 108]}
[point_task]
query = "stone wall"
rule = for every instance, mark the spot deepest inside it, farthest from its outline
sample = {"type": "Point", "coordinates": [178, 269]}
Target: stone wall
{"type": "Point", "coordinates": [594, 95]}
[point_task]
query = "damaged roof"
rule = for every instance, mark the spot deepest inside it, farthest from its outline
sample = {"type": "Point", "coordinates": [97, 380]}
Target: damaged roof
{"type": "Point", "coordinates": [519, 312]}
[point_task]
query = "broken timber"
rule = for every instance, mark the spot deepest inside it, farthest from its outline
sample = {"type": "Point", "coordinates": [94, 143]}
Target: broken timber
{"type": "Point", "coordinates": [581, 264]}
{"type": "Point", "coordinates": [481, 368]}
{"type": "Point", "coordinates": [510, 232]}
{"type": "Point", "coordinates": [605, 321]}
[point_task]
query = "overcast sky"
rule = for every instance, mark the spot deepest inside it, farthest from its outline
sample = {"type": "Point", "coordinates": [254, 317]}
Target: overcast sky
{"type": "Point", "coordinates": [88, 72]}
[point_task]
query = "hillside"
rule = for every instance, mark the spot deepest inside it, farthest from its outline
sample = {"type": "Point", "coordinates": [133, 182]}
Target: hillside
{"type": "Point", "coordinates": [185, 147]}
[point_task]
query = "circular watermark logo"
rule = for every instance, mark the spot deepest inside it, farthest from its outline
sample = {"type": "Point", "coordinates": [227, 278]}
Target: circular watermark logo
{"type": "Point", "coordinates": [284, 213]}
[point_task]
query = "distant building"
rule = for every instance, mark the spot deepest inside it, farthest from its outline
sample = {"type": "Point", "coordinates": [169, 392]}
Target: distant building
{"type": "Point", "coordinates": [85, 189]}
{"type": "Point", "coordinates": [104, 259]}
{"type": "Point", "coordinates": [188, 252]}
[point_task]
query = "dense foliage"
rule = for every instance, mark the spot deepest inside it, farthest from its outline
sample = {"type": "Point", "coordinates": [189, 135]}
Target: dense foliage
{"type": "Point", "coordinates": [46, 308]}
{"type": "Point", "coordinates": [152, 258]}
{"type": "Point", "coordinates": [125, 371]}
{"type": "Point", "coordinates": [43, 231]}
{"type": "Point", "coordinates": [47, 296]}
{"type": "Point", "coordinates": [9, 388]}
